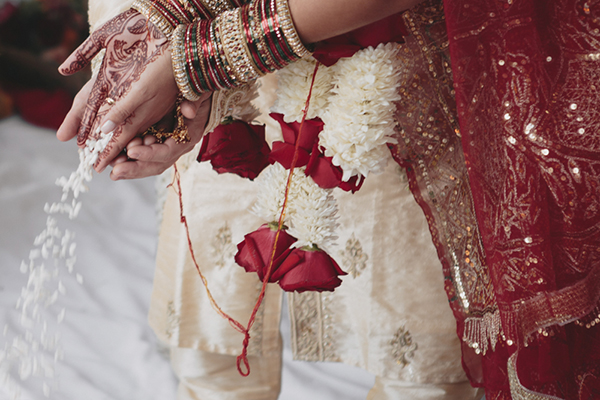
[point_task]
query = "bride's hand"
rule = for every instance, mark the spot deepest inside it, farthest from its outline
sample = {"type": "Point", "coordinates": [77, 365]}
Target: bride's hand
{"type": "Point", "coordinates": [134, 87]}
{"type": "Point", "coordinates": [146, 157]}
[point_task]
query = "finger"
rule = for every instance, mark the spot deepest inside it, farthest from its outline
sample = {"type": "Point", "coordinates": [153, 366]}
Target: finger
{"type": "Point", "coordinates": [197, 125]}
{"type": "Point", "coordinates": [81, 57]}
{"type": "Point", "coordinates": [95, 100]}
{"type": "Point", "coordinates": [137, 141]}
{"type": "Point", "coordinates": [149, 139]}
{"type": "Point", "coordinates": [121, 110]}
{"type": "Point", "coordinates": [157, 153]}
{"type": "Point", "coordinates": [130, 124]}
{"type": "Point", "coordinates": [136, 170]}
{"type": "Point", "coordinates": [70, 126]}
{"type": "Point", "coordinates": [121, 158]}
{"type": "Point", "coordinates": [190, 108]}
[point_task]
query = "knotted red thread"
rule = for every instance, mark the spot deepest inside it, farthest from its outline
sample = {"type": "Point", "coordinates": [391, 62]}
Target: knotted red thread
{"type": "Point", "coordinates": [243, 357]}
{"type": "Point", "coordinates": [235, 324]}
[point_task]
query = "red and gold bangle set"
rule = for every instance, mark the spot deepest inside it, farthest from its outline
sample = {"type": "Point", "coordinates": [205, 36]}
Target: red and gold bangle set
{"type": "Point", "coordinates": [168, 14]}
{"type": "Point", "coordinates": [241, 44]}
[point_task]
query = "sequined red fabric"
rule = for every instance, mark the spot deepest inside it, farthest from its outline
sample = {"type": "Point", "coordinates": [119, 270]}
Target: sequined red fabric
{"type": "Point", "coordinates": [526, 76]}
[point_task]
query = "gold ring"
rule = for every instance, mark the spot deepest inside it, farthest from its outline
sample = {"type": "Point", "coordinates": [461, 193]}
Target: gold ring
{"type": "Point", "coordinates": [110, 101]}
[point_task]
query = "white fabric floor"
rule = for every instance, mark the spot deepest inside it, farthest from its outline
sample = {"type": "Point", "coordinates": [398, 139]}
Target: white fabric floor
{"type": "Point", "coordinates": [110, 353]}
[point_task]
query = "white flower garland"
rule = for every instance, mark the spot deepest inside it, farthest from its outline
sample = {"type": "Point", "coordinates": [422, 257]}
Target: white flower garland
{"type": "Point", "coordinates": [314, 218]}
{"type": "Point", "coordinates": [355, 98]}
{"type": "Point", "coordinates": [360, 119]}
{"type": "Point", "coordinates": [311, 212]}
{"type": "Point", "coordinates": [293, 87]}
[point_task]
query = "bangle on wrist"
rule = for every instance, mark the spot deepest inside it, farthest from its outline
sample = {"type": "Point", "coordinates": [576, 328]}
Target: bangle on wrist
{"type": "Point", "coordinates": [179, 64]}
{"type": "Point", "coordinates": [166, 15]}
{"type": "Point", "coordinates": [237, 47]}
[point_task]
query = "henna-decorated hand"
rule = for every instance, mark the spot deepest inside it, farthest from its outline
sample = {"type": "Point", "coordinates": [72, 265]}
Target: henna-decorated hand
{"type": "Point", "coordinates": [145, 157]}
{"type": "Point", "coordinates": [136, 72]}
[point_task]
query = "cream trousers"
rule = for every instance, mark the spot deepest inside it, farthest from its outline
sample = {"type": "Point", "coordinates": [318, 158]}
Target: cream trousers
{"type": "Point", "coordinates": [209, 376]}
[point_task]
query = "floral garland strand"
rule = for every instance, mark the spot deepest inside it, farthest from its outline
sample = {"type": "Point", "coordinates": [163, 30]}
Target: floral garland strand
{"type": "Point", "coordinates": [299, 206]}
{"type": "Point", "coordinates": [311, 212]}
{"type": "Point", "coordinates": [355, 98]}
{"type": "Point", "coordinates": [36, 352]}
{"type": "Point", "coordinates": [293, 255]}
{"type": "Point", "coordinates": [359, 122]}
{"type": "Point", "coordinates": [293, 84]}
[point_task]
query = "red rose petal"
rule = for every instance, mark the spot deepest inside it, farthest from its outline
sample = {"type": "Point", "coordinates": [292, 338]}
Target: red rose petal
{"type": "Point", "coordinates": [310, 270]}
{"type": "Point", "coordinates": [238, 148]}
{"type": "Point", "coordinates": [254, 253]}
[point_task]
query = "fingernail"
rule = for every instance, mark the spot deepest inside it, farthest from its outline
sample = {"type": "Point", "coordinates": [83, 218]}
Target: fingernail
{"type": "Point", "coordinates": [133, 154]}
{"type": "Point", "coordinates": [108, 126]}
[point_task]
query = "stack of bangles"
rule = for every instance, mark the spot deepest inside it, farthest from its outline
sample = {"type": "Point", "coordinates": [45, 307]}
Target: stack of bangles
{"type": "Point", "coordinates": [236, 47]}
{"type": "Point", "coordinates": [166, 15]}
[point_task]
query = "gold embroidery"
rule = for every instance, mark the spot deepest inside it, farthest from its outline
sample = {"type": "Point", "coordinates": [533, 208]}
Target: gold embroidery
{"type": "Point", "coordinates": [429, 144]}
{"type": "Point", "coordinates": [481, 330]}
{"type": "Point", "coordinates": [235, 102]}
{"type": "Point", "coordinates": [353, 257]}
{"type": "Point", "coordinates": [517, 390]}
{"type": "Point", "coordinates": [307, 326]}
{"type": "Point", "coordinates": [223, 248]}
{"type": "Point", "coordinates": [173, 320]}
{"type": "Point", "coordinates": [329, 328]}
{"type": "Point", "coordinates": [403, 347]}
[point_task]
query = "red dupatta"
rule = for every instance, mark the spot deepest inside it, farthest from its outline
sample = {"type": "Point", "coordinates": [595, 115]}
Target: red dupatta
{"type": "Point", "coordinates": [502, 148]}
{"type": "Point", "coordinates": [527, 83]}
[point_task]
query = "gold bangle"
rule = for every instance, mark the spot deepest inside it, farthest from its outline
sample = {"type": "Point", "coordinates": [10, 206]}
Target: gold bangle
{"type": "Point", "coordinates": [216, 7]}
{"type": "Point", "coordinates": [234, 46]}
{"type": "Point", "coordinates": [146, 8]}
{"type": "Point", "coordinates": [288, 28]}
{"type": "Point", "coordinates": [178, 61]}
{"type": "Point", "coordinates": [258, 36]}
{"type": "Point", "coordinates": [182, 18]}
{"type": "Point", "coordinates": [219, 58]}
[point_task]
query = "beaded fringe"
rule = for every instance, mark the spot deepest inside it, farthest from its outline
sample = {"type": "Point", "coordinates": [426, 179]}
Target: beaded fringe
{"type": "Point", "coordinates": [481, 333]}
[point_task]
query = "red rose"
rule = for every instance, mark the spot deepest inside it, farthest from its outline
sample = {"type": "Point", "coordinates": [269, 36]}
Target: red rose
{"type": "Point", "coordinates": [283, 152]}
{"type": "Point", "coordinates": [304, 270]}
{"type": "Point", "coordinates": [254, 253]}
{"type": "Point", "coordinates": [236, 147]}
{"type": "Point", "coordinates": [390, 29]}
{"type": "Point", "coordinates": [328, 176]}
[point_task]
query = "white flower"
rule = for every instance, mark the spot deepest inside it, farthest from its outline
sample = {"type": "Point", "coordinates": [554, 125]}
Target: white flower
{"type": "Point", "coordinates": [314, 218]}
{"type": "Point", "coordinates": [294, 85]}
{"type": "Point", "coordinates": [311, 212]}
{"type": "Point", "coordinates": [271, 189]}
{"type": "Point", "coordinates": [359, 121]}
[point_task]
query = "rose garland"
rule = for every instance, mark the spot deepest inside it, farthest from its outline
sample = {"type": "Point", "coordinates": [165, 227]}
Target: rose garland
{"type": "Point", "coordinates": [355, 99]}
